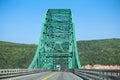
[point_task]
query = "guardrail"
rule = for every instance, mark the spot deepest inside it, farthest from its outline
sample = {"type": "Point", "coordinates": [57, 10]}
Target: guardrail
{"type": "Point", "coordinates": [97, 74]}
{"type": "Point", "coordinates": [8, 73]}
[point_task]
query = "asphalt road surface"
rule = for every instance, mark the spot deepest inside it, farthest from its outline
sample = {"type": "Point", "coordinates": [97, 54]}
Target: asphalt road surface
{"type": "Point", "coordinates": [48, 76]}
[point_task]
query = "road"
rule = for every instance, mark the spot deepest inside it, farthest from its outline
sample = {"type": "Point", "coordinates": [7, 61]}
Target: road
{"type": "Point", "coordinates": [48, 76]}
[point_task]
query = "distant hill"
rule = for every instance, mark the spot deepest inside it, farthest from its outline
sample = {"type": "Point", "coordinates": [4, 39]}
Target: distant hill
{"type": "Point", "coordinates": [14, 55]}
{"type": "Point", "coordinates": [106, 52]}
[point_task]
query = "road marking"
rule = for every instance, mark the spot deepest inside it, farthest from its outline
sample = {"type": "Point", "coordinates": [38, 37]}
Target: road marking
{"type": "Point", "coordinates": [49, 76]}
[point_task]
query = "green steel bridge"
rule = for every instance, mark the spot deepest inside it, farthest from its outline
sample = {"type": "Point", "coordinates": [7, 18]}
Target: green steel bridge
{"type": "Point", "coordinates": [57, 44]}
{"type": "Point", "coordinates": [56, 57]}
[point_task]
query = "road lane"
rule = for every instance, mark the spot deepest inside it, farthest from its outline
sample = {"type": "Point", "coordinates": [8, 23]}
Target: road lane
{"type": "Point", "coordinates": [37, 76]}
{"type": "Point", "coordinates": [65, 76]}
{"type": "Point", "coordinates": [48, 76]}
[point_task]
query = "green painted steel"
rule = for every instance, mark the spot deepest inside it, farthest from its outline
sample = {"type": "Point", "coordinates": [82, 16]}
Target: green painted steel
{"type": "Point", "coordinates": [57, 44]}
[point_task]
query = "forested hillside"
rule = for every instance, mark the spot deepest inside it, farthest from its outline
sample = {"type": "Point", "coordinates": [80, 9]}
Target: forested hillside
{"type": "Point", "coordinates": [13, 55]}
{"type": "Point", "coordinates": [107, 52]}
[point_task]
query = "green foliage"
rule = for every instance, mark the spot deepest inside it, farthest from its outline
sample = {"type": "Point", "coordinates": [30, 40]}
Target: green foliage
{"type": "Point", "coordinates": [106, 52]}
{"type": "Point", "coordinates": [13, 55]}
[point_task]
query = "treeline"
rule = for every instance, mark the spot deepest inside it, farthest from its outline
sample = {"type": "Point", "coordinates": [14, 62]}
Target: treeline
{"type": "Point", "coordinates": [106, 52]}
{"type": "Point", "coordinates": [14, 55]}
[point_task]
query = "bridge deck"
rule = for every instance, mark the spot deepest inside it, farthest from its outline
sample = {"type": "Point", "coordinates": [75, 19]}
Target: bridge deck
{"type": "Point", "coordinates": [48, 76]}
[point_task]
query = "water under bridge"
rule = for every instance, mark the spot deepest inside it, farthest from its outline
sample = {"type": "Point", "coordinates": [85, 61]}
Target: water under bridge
{"type": "Point", "coordinates": [56, 57]}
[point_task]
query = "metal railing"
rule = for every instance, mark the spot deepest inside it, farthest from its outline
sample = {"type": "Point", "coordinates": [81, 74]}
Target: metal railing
{"type": "Point", "coordinates": [97, 74]}
{"type": "Point", "coordinates": [8, 73]}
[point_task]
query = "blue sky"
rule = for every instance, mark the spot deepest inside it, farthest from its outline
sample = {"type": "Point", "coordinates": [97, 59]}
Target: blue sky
{"type": "Point", "coordinates": [21, 20]}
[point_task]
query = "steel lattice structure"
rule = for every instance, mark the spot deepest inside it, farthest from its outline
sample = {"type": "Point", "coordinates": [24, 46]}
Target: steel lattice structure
{"type": "Point", "coordinates": [57, 42]}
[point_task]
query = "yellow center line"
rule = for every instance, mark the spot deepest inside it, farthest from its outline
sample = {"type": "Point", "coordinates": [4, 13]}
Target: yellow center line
{"type": "Point", "coordinates": [49, 76]}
